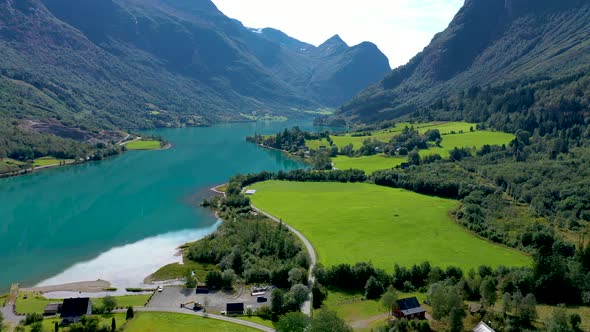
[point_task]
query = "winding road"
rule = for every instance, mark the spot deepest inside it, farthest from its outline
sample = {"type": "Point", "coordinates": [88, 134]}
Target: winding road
{"type": "Point", "coordinates": [306, 307]}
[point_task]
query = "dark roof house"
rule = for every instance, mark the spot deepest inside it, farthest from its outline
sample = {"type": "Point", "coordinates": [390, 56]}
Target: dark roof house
{"type": "Point", "coordinates": [409, 308]}
{"type": "Point", "coordinates": [234, 309]}
{"type": "Point", "coordinates": [73, 309]}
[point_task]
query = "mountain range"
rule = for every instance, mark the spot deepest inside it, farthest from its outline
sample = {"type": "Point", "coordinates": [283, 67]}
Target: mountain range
{"type": "Point", "coordinates": [75, 68]}
{"type": "Point", "coordinates": [491, 44]}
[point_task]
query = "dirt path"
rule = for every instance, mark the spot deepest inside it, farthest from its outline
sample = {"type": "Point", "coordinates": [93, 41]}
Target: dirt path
{"type": "Point", "coordinates": [306, 308]}
{"type": "Point", "coordinates": [365, 323]}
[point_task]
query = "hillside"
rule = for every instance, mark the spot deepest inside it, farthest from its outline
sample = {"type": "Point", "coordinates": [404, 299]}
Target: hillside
{"type": "Point", "coordinates": [85, 67]}
{"type": "Point", "coordinates": [488, 44]}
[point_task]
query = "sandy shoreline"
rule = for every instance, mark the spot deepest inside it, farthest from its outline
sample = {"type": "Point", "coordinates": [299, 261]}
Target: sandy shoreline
{"type": "Point", "coordinates": [82, 286]}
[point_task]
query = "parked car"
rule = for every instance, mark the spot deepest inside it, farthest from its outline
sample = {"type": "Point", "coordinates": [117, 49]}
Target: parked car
{"type": "Point", "coordinates": [261, 299]}
{"type": "Point", "coordinates": [160, 289]}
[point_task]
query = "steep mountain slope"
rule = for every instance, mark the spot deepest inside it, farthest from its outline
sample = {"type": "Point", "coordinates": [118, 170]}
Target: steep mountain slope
{"type": "Point", "coordinates": [104, 64]}
{"type": "Point", "coordinates": [489, 42]}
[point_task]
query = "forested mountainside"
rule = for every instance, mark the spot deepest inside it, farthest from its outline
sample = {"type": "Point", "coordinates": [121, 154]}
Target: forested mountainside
{"type": "Point", "coordinates": [502, 47]}
{"type": "Point", "coordinates": [80, 69]}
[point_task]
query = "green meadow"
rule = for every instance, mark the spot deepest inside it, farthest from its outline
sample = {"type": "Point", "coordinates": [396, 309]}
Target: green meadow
{"type": "Point", "coordinates": [384, 135]}
{"type": "Point", "coordinates": [143, 145]}
{"type": "Point", "coordinates": [10, 165]}
{"type": "Point", "coordinates": [46, 161]}
{"type": "Point", "coordinates": [169, 322]}
{"type": "Point", "coordinates": [350, 223]}
{"type": "Point", "coordinates": [473, 140]}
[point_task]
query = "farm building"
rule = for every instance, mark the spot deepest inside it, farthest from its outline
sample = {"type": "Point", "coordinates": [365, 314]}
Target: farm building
{"type": "Point", "coordinates": [52, 309]}
{"type": "Point", "coordinates": [483, 327]}
{"type": "Point", "coordinates": [234, 309]}
{"type": "Point", "coordinates": [409, 308]}
{"type": "Point", "coordinates": [73, 309]}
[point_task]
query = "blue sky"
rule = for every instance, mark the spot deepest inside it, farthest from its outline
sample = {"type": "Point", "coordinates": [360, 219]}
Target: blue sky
{"type": "Point", "coordinates": [400, 28]}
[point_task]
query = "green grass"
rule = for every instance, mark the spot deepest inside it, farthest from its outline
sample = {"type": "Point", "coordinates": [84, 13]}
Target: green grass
{"type": "Point", "coordinates": [33, 303]}
{"type": "Point", "coordinates": [352, 307]}
{"type": "Point", "coordinates": [369, 164]}
{"type": "Point", "coordinates": [36, 302]}
{"type": "Point", "coordinates": [105, 320]}
{"type": "Point", "coordinates": [45, 161]}
{"type": "Point", "coordinates": [9, 165]}
{"type": "Point", "coordinates": [170, 322]}
{"type": "Point", "coordinates": [176, 271]}
{"type": "Point", "coordinates": [350, 223]}
{"type": "Point", "coordinates": [384, 135]}
{"type": "Point", "coordinates": [128, 300]}
{"type": "Point", "coordinates": [144, 145]}
{"type": "Point", "coordinates": [257, 320]}
{"type": "Point", "coordinates": [474, 140]}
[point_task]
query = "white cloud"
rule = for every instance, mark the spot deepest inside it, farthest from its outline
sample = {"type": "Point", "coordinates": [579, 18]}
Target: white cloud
{"type": "Point", "coordinates": [400, 28]}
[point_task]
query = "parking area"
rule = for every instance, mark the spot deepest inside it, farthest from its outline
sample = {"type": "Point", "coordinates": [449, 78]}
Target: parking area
{"type": "Point", "coordinates": [174, 296]}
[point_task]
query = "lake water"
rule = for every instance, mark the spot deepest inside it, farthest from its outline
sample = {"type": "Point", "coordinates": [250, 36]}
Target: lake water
{"type": "Point", "coordinates": [122, 218]}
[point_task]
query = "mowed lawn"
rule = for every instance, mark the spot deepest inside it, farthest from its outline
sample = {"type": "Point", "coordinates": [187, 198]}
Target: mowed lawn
{"type": "Point", "coordinates": [369, 164]}
{"type": "Point", "coordinates": [143, 145]}
{"type": "Point", "coordinates": [171, 322]}
{"type": "Point", "coordinates": [350, 223]}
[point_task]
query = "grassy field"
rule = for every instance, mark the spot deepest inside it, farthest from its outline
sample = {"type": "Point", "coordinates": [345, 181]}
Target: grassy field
{"type": "Point", "coordinates": [169, 322]}
{"type": "Point", "coordinates": [35, 302]}
{"type": "Point", "coordinates": [28, 302]}
{"type": "Point", "coordinates": [45, 161]}
{"type": "Point", "coordinates": [369, 164]}
{"type": "Point", "coordinates": [474, 140]}
{"type": "Point", "coordinates": [143, 145]}
{"type": "Point", "coordinates": [363, 314]}
{"type": "Point", "coordinates": [129, 300]}
{"type": "Point", "coordinates": [9, 165]}
{"type": "Point", "coordinates": [105, 320]}
{"type": "Point", "coordinates": [349, 223]}
{"type": "Point", "coordinates": [176, 271]}
{"type": "Point", "coordinates": [257, 320]}
{"type": "Point", "coordinates": [384, 135]}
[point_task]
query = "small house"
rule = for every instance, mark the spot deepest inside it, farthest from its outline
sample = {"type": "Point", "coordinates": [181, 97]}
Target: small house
{"type": "Point", "coordinates": [234, 309]}
{"type": "Point", "coordinates": [73, 309]}
{"type": "Point", "coordinates": [483, 327]}
{"type": "Point", "coordinates": [409, 308]}
{"type": "Point", "coordinates": [52, 309]}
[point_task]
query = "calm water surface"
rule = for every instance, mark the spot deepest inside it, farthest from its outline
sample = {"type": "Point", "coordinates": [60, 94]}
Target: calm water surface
{"type": "Point", "coordinates": [121, 218]}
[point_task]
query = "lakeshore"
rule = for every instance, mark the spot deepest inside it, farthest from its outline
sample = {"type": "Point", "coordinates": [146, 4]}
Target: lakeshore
{"type": "Point", "coordinates": [125, 199]}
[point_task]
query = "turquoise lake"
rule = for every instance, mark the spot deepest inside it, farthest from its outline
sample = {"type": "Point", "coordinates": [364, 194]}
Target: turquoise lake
{"type": "Point", "coordinates": [121, 217]}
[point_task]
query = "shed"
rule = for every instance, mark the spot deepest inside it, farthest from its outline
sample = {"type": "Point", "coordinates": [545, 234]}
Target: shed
{"type": "Point", "coordinates": [483, 327]}
{"type": "Point", "coordinates": [234, 308]}
{"type": "Point", "coordinates": [202, 289]}
{"type": "Point", "coordinates": [409, 308]}
{"type": "Point", "coordinates": [52, 309]}
{"type": "Point", "coordinates": [250, 192]}
{"type": "Point", "coordinates": [73, 309]}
